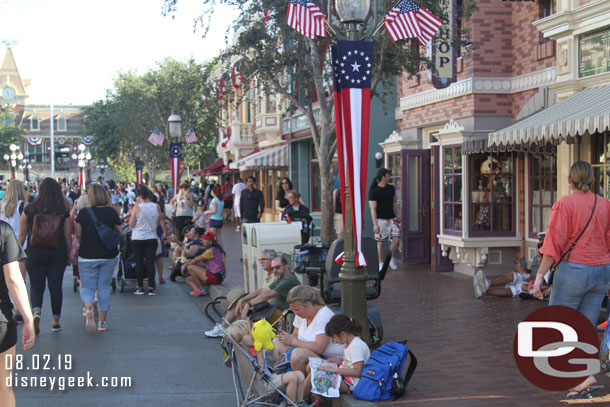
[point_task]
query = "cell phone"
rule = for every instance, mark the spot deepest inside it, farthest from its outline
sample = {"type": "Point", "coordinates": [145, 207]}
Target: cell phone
{"type": "Point", "coordinates": [523, 263]}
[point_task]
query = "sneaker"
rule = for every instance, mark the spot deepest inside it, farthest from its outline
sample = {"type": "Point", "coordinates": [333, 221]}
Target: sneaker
{"type": "Point", "coordinates": [216, 332]}
{"type": "Point", "coordinates": [102, 326]}
{"type": "Point", "coordinates": [152, 292]}
{"type": "Point", "coordinates": [237, 229]}
{"type": "Point", "coordinates": [36, 323]}
{"type": "Point", "coordinates": [480, 284]}
{"type": "Point", "coordinates": [89, 320]}
{"type": "Point", "coordinates": [161, 281]}
{"type": "Point", "coordinates": [56, 328]}
{"type": "Point", "coordinates": [199, 293]}
{"type": "Point", "coordinates": [380, 266]}
{"type": "Point", "coordinates": [393, 266]}
{"type": "Point", "coordinates": [139, 291]}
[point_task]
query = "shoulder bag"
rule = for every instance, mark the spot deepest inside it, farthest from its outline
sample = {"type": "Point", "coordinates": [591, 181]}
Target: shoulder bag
{"type": "Point", "coordinates": [110, 237]}
{"type": "Point", "coordinates": [46, 230]}
{"type": "Point", "coordinates": [569, 251]}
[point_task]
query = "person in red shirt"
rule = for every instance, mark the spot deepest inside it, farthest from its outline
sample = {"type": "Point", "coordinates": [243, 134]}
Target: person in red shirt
{"type": "Point", "coordinates": [227, 197]}
{"type": "Point", "coordinates": [582, 278]}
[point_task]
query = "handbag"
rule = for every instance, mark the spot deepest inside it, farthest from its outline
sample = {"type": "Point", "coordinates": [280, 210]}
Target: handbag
{"type": "Point", "coordinates": [46, 230]}
{"type": "Point", "coordinates": [569, 251]}
{"type": "Point", "coordinates": [110, 237]}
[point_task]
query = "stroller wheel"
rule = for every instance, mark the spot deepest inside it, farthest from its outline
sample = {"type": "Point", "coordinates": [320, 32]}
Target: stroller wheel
{"type": "Point", "coordinates": [75, 284]}
{"type": "Point", "coordinates": [113, 284]}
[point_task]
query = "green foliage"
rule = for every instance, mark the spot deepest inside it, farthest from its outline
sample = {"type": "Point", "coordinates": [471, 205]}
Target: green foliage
{"type": "Point", "coordinates": [122, 123]}
{"type": "Point", "coordinates": [9, 132]}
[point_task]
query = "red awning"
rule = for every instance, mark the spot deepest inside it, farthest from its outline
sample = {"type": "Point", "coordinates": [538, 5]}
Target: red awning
{"type": "Point", "coordinates": [214, 168]}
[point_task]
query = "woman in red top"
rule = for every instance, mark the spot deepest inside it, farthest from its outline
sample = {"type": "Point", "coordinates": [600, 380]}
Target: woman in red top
{"type": "Point", "coordinates": [582, 278]}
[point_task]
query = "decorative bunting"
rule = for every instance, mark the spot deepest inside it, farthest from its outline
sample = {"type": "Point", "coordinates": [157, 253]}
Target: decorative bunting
{"type": "Point", "coordinates": [226, 136]}
{"type": "Point", "coordinates": [138, 173]}
{"type": "Point", "coordinates": [34, 141]}
{"type": "Point", "coordinates": [86, 140]}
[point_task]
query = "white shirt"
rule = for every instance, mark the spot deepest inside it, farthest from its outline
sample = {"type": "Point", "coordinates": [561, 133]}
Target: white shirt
{"type": "Point", "coordinates": [308, 333]}
{"type": "Point", "coordinates": [146, 222]}
{"type": "Point", "coordinates": [357, 351]}
{"type": "Point", "coordinates": [237, 188]}
{"type": "Point", "coordinates": [14, 219]}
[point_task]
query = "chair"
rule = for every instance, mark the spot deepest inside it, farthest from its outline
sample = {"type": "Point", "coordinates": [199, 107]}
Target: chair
{"type": "Point", "coordinates": [330, 285]}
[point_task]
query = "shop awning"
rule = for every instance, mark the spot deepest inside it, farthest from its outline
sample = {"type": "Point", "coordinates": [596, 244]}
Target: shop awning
{"type": "Point", "coordinates": [214, 168]}
{"type": "Point", "coordinates": [585, 111]}
{"type": "Point", "coordinates": [272, 157]}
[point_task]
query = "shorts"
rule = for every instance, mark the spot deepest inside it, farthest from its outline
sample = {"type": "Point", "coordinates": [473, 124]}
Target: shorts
{"type": "Point", "coordinates": [215, 223]}
{"type": "Point", "coordinates": [339, 223]}
{"type": "Point", "coordinates": [8, 335]}
{"type": "Point", "coordinates": [516, 285]}
{"type": "Point", "coordinates": [236, 209]}
{"type": "Point", "coordinates": [228, 204]}
{"type": "Point", "coordinates": [213, 279]}
{"type": "Point", "coordinates": [387, 229]}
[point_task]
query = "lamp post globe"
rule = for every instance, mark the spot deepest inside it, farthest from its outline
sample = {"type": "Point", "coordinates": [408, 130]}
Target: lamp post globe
{"type": "Point", "coordinates": [6, 157]}
{"type": "Point", "coordinates": [175, 122]}
{"type": "Point", "coordinates": [81, 147]}
{"type": "Point", "coordinates": [352, 11]}
{"type": "Point", "coordinates": [74, 157]}
{"type": "Point", "coordinates": [20, 156]}
{"type": "Point", "coordinates": [13, 147]}
{"type": "Point", "coordinates": [88, 156]}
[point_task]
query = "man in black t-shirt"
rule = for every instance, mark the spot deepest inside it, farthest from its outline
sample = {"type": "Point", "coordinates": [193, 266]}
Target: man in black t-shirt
{"type": "Point", "coordinates": [386, 215]}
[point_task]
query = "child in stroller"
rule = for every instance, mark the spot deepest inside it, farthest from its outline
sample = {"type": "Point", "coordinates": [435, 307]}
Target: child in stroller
{"type": "Point", "coordinates": [294, 381]}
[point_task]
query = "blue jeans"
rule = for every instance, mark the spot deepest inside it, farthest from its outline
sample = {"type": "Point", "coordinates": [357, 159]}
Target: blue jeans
{"type": "Point", "coordinates": [97, 275]}
{"type": "Point", "coordinates": [40, 275]}
{"type": "Point", "coordinates": [581, 287]}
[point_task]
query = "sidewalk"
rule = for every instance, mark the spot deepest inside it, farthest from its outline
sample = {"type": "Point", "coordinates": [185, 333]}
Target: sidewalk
{"type": "Point", "coordinates": [463, 345]}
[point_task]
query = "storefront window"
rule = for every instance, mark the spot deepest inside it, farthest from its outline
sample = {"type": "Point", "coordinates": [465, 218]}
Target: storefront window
{"type": "Point", "coordinates": [543, 187]}
{"type": "Point", "coordinates": [601, 163]}
{"type": "Point", "coordinates": [452, 188]}
{"type": "Point", "coordinates": [491, 194]}
{"type": "Point", "coordinates": [395, 166]}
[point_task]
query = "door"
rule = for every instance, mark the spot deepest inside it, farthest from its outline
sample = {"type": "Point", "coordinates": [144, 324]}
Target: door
{"type": "Point", "coordinates": [416, 206]}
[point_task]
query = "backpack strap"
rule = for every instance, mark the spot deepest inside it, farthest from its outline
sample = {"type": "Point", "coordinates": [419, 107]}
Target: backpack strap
{"type": "Point", "coordinates": [410, 369]}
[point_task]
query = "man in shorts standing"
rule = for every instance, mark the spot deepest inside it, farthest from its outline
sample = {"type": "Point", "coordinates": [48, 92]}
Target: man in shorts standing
{"type": "Point", "coordinates": [385, 214]}
{"type": "Point", "coordinates": [237, 190]}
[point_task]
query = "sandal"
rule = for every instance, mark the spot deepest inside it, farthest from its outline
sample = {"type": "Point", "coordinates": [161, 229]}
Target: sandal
{"type": "Point", "coordinates": [586, 392]}
{"type": "Point", "coordinates": [89, 320]}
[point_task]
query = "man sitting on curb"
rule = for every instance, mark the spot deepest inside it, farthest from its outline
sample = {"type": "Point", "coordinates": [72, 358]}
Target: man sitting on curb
{"type": "Point", "coordinates": [275, 294]}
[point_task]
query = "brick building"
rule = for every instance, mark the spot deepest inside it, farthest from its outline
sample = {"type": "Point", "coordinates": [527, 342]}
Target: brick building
{"type": "Point", "coordinates": [466, 203]}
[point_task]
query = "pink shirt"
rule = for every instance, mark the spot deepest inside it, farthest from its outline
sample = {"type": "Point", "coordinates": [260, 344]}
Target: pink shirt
{"type": "Point", "coordinates": [568, 218]}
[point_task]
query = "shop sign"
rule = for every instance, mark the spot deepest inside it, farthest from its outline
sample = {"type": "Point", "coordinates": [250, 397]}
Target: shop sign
{"type": "Point", "coordinates": [594, 53]}
{"type": "Point", "coordinates": [443, 53]}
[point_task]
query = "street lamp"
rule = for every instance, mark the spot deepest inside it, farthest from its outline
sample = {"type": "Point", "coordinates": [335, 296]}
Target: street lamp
{"type": "Point", "coordinates": [83, 160]}
{"type": "Point", "coordinates": [12, 159]}
{"type": "Point", "coordinates": [378, 159]}
{"type": "Point", "coordinates": [175, 122]}
{"type": "Point", "coordinates": [353, 279]}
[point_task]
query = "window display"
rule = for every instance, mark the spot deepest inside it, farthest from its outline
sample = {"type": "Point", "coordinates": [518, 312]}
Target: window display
{"type": "Point", "coordinates": [452, 190]}
{"type": "Point", "coordinates": [492, 185]}
{"type": "Point", "coordinates": [543, 184]}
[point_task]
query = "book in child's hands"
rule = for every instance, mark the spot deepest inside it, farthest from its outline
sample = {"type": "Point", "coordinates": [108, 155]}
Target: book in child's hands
{"type": "Point", "coordinates": [324, 383]}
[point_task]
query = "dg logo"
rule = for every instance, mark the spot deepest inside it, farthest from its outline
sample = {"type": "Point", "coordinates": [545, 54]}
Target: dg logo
{"type": "Point", "coordinates": [556, 348]}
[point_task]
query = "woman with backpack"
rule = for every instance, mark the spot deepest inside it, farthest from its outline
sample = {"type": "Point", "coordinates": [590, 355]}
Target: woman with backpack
{"type": "Point", "coordinates": [46, 222]}
{"type": "Point", "coordinates": [96, 262]}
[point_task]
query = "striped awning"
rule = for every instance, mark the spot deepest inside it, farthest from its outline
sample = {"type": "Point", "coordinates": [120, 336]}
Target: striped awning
{"type": "Point", "coordinates": [272, 157]}
{"type": "Point", "coordinates": [587, 111]}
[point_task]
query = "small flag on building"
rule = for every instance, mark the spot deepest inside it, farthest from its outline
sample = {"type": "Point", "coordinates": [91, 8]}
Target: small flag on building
{"type": "Point", "coordinates": [156, 137]}
{"type": "Point", "coordinates": [236, 75]}
{"type": "Point", "coordinates": [409, 20]}
{"type": "Point", "coordinates": [190, 136]}
{"type": "Point", "coordinates": [226, 137]}
{"type": "Point", "coordinates": [306, 18]}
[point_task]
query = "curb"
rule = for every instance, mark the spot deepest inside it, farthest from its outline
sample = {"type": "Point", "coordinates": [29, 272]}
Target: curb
{"type": "Point", "coordinates": [346, 400]}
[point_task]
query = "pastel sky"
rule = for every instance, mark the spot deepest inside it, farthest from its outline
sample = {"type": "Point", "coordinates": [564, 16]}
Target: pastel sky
{"type": "Point", "coordinates": [72, 49]}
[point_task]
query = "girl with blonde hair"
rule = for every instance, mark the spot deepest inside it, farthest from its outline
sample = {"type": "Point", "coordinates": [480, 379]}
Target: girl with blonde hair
{"type": "Point", "coordinates": [12, 205]}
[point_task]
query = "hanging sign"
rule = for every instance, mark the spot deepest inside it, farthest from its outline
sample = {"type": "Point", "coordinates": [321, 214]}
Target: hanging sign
{"type": "Point", "coordinates": [442, 51]}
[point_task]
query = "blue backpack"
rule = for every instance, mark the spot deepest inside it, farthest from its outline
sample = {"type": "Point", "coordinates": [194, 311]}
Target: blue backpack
{"type": "Point", "coordinates": [381, 375]}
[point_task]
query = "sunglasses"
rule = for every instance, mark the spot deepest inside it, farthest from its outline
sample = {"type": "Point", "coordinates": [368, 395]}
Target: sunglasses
{"type": "Point", "coordinates": [261, 260]}
{"type": "Point", "coordinates": [276, 268]}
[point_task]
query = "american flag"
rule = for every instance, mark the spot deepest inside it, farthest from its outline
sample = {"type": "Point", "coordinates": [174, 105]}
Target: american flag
{"type": "Point", "coordinates": [352, 72]}
{"type": "Point", "coordinates": [156, 137]}
{"type": "Point", "coordinates": [409, 20]}
{"type": "Point", "coordinates": [190, 136]}
{"type": "Point", "coordinates": [306, 18]}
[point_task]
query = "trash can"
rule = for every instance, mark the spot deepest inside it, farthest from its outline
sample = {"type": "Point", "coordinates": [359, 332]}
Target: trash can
{"type": "Point", "coordinates": [249, 258]}
{"type": "Point", "coordinates": [279, 236]}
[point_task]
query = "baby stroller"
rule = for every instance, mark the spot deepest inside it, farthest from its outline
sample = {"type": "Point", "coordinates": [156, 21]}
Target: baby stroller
{"type": "Point", "coordinates": [127, 263]}
{"type": "Point", "coordinates": [249, 389]}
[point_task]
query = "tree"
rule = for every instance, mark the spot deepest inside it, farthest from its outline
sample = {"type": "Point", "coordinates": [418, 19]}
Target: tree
{"type": "Point", "coordinates": [10, 133]}
{"type": "Point", "coordinates": [122, 123]}
{"type": "Point", "coordinates": [285, 61]}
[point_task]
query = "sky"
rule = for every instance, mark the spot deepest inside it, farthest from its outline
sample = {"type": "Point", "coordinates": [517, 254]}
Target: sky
{"type": "Point", "coordinates": [71, 50]}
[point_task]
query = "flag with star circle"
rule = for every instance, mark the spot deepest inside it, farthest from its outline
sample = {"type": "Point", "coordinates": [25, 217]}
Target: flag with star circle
{"type": "Point", "coordinates": [175, 152]}
{"type": "Point", "coordinates": [352, 71]}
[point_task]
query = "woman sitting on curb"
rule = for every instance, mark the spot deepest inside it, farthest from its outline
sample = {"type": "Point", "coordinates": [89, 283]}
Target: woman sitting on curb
{"type": "Point", "coordinates": [208, 268]}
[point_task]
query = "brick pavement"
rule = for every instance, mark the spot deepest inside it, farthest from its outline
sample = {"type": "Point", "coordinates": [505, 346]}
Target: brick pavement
{"type": "Point", "coordinates": [463, 345]}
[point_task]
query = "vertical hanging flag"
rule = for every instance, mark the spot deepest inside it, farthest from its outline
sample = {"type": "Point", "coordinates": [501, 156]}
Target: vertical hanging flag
{"type": "Point", "coordinates": [409, 20]}
{"type": "Point", "coordinates": [226, 136]}
{"type": "Point", "coordinates": [156, 137]}
{"type": "Point", "coordinates": [138, 173]}
{"type": "Point", "coordinates": [306, 18]}
{"type": "Point", "coordinates": [236, 75]}
{"type": "Point", "coordinates": [175, 152]}
{"type": "Point", "coordinates": [190, 136]}
{"type": "Point", "coordinates": [352, 67]}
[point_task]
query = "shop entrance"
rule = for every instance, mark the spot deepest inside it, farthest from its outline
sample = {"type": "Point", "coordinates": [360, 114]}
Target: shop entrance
{"type": "Point", "coordinates": [416, 206]}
